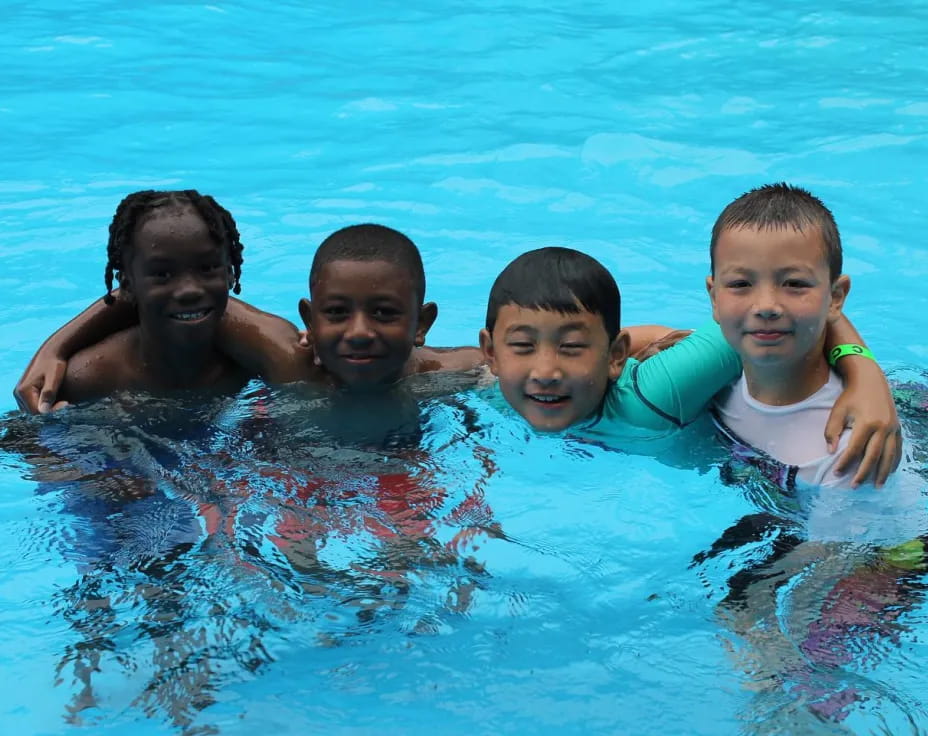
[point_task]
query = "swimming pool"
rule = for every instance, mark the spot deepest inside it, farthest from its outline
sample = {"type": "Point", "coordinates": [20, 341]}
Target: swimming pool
{"type": "Point", "coordinates": [480, 130]}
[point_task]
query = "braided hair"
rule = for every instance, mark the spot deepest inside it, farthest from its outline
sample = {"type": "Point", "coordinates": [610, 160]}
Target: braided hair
{"type": "Point", "coordinates": [133, 208]}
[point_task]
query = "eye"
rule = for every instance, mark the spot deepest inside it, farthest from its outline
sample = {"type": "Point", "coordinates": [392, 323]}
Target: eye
{"type": "Point", "coordinates": [210, 268]}
{"type": "Point", "coordinates": [335, 312]}
{"type": "Point", "coordinates": [738, 284]}
{"type": "Point", "coordinates": [573, 347]}
{"type": "Point", "coordinates": [385, 314]}
{"type": "Point", "coordinates": [160, 274]}
{"type": "Point", "coordinates": [521, 347]}
{"type": "Point", "coordinates": [797, 284]}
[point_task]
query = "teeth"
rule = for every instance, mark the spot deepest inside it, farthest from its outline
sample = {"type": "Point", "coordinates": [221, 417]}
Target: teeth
{"type": "Point", "coordinates": [190, 316]}
{"type": "Point", "coordinates": [546, 398]}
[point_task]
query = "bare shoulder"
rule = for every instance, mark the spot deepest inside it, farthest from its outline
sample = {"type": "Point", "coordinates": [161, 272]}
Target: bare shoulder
{"type": "Point", "coordinates": [265, 344]}
{"type": "Point", "coordinates": [447, 359]}
{"type": "Point", "coordinates": [100, 369]}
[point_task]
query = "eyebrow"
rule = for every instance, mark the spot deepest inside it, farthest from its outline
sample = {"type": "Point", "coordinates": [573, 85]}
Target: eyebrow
{"type": "Point", "coordinates": [560, 329]}
{"type": "Point", "coordinates": [750, 271]}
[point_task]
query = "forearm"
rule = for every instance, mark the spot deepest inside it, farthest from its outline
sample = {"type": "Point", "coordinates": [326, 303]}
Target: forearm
{"type": "Point", "coordinates": [640, 336]}
{"type": "Point", "coordinates": [91, 326]}
{"type": "Point", "coordinates": [853, 368]}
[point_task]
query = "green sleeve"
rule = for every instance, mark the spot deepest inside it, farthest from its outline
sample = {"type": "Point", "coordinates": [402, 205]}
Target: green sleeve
{"type": "Point", "coordinates": [679, 382]}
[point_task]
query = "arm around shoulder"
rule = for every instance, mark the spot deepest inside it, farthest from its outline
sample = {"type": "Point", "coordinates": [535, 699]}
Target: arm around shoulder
{"type": "Point", "coordinates": [264, 344]}
{"type": "Point", "coordinates": [680, 382]}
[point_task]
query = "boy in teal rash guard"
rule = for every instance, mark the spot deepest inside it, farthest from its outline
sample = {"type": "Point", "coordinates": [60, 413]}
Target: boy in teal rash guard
{"type": "Point", "coordinates": [553, 340]}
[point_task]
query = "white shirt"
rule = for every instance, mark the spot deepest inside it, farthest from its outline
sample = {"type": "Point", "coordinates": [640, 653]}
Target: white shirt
{"type": "Point", "coordinates": [786, 444]}
{"type": "Point", "coordinates": [793, 435]}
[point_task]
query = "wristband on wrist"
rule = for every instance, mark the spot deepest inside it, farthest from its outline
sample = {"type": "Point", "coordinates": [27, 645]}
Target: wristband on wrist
{"type": "Point", "coordinates": [839, 351]}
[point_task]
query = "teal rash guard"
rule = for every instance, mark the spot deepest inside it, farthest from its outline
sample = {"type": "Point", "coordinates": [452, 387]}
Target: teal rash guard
{"type": "Point", "coordinates": [674, 387]}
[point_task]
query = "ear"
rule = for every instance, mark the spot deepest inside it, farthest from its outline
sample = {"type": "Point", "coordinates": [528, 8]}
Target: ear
{"type": "Point", "coordinates": [428, 313]}
{"type": "Point", "coordinates": [306, 312]}
{"type": "Point", "coordinates": [125, 286]}
{"type": "Point", "coordinates": [710, 287]}
{"type": "Point", "coordinates": [839, 292]}
{"type": "Point", "coordinates": [618, 354]}
{"type": "Point", "coordinates": [489, 353]}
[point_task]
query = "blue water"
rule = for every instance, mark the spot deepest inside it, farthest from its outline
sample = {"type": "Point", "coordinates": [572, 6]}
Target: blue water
{"type": "Point", "coordinates": [481, 130]}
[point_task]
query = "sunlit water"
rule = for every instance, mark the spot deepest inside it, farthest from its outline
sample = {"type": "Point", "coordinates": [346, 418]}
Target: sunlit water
{"type": "Point", "coordinates": [263, 564]}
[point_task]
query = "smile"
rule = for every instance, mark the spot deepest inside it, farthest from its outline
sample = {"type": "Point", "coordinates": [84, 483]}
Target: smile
{"type": "Point", "coordinates": [191, 316]}
{"type": "Point", "coordinates": [549, 399]}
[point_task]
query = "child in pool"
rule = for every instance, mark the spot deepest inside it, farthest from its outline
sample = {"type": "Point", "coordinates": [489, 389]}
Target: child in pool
{"type": "Point", "coordinates": [553, 339]}
{"type": "Point", "coordinates": [176, 255]}
{"type": "Point", "coordinates": [366, 318]}
{"type": "Point", "coordinates": [776, 287]}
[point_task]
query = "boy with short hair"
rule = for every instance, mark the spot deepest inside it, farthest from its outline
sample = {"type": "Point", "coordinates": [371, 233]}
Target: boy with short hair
{"type": "Point", "coordinates": [553, 339]}
{"type": "Point", "coordinates": [776, 286]}
{"type": "Point", "coordinates": [366, 318]}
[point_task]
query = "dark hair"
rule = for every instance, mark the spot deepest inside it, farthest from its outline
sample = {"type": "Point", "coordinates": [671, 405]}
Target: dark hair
{"type": "Point", "coordinates": [778, 206]}
{"type": "Point", "coordinates": [138, 205]}
{"type": "Point", "coordinates": [371, 243]}
{"type": "Point", "coordinates": [557, 280]}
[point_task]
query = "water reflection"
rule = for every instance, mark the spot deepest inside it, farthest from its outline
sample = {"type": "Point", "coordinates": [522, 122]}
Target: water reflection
{"type": "Point", "coordinates": [205, 537]}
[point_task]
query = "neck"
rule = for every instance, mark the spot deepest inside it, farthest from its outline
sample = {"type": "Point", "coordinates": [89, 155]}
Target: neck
{"type": "Point", "coordinates": [172, 366]}
{"type": "Point", "coordinates": [780, 385]}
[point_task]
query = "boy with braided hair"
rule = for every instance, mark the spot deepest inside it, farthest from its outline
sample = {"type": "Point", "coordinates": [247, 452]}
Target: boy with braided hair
{"type": "Point", "coordinates": [175, 255]}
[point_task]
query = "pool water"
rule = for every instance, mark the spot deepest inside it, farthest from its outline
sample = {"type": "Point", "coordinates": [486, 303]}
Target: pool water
{"type": "Point", "coordinates": [465, 575]}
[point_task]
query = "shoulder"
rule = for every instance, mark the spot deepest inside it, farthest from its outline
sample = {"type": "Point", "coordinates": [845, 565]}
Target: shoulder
{"type": "Point", "coordinates": [102, 368]}
{"type": "Point", "coordinates": [447, 359]}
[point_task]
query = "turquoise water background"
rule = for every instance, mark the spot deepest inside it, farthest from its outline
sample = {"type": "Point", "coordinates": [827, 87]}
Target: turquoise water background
{"type": "Point", "coordinates": [481, 130]}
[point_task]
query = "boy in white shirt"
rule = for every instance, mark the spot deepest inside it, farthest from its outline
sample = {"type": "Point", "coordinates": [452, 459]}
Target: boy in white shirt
{"type": "Point", "coordinates": [775, 285]}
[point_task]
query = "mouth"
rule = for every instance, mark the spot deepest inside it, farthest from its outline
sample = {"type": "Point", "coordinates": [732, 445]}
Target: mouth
{"type": "Point", "coordinates": [192, 316]}
{"type": "Point", "coordinates": [769, 336]}
{"type": "Point", "coordinates": [359, 358]}
{"type": "Point", "coordinates": [548, 400]}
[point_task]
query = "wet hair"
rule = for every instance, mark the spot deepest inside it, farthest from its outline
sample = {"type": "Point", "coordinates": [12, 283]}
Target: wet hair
{"type": "Point", "coordinates": [776, 207]}
{"type": "Point", "coordinates": [132, 211]}
{"type": "Point", "coordinates": [557, 280]}
{"type": "Point", "coordinates": [371, 243]}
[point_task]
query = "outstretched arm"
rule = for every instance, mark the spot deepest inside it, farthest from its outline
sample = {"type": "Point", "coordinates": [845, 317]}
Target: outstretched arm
{"type": "Point", "coordinates": [867, 407]}
{"type": "Point", "coordinates": [265, 344]}
{"type": "Point", "coordinates": [38, 387]}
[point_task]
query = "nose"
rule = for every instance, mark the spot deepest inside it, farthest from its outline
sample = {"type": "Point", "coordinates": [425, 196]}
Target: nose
{"type": "Point", "coordinates": [359, 329]}
{"type": "Point", "coordinates": [767, 303]}
{"type": "Point", "coordinates": [189, 289]}
{"type": "Point", "coordinates": [546, 368]}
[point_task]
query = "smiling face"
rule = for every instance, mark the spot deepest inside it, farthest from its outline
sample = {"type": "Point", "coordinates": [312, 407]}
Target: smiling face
{"type": "Point", "coordinates": [178, 276]}
{"type": "Point", "coordinates": [772, 295]}
{"type": "Point", "coordinates": [553, 368]}
{"type": "Point", "coordinates": [365, 319]}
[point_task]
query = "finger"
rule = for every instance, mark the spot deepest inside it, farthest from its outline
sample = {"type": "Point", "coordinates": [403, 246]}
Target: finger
{"type": "Point", "coordinates": [869, 461]}
{"type": "Point", "coordinates": [60, 405]}
{"type": "Point", "coordinates": [28, 399]}
{"type": "Point", "coordinates": [50, 388]}
{"type": "Point", "coordinates": [837, 420]}
{"type": "Point", "coordinates": [857, 444]}
{"type": "Point", "coordinates": [20, 399]}
{"type": "Point", "coordinates": [889, 460]}
{"type": "Point", "coordinates": [898, 458]}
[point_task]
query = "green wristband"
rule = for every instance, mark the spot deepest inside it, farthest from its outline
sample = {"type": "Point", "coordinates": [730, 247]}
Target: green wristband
{"type": "Point", "coordinates": [839, 351]}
